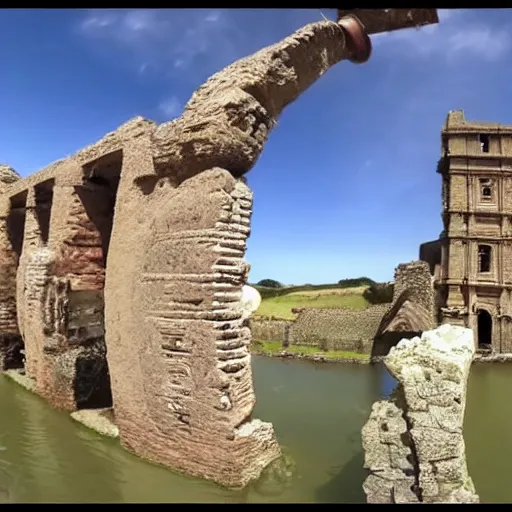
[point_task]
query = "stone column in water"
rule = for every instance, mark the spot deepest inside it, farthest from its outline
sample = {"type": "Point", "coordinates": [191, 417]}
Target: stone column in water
{"type": "Point", "coordinates": [11, 232]}
{"type": "Point", "coordinates": [60, 285]}
{"type": "Point", "coordinates": [414, 445]}
{"type": "Point", "coordinates": [177, 341]}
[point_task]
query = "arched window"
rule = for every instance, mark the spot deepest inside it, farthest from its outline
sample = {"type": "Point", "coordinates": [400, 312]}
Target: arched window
{"type": "Point", "coordinates": [484, 258]}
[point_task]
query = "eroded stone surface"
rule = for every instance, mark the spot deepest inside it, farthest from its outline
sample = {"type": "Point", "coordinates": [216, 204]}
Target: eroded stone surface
{"type": "Point", "coordinates": [192, 394]}
{"type": "Point", "coordinates": [228, 119]}
{"type": "Point", "coordinates": [139, 241]}
{"type": "Point", "coordinates": [414, 445]}
{"type": "Point", "coordinates": [183, 394]}
{"type": "Point", "coordinates": [61, 305]}
{"type": "Point", "coordinates": [11, 343]}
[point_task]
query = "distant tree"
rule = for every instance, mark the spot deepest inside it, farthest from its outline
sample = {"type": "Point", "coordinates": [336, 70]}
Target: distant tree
{"type": "Point", "coordinates": [270, 283]}
{"type": "Point", "coordinates": [379, 293]}
{"type": "Point", "coordinates": [354, 282]}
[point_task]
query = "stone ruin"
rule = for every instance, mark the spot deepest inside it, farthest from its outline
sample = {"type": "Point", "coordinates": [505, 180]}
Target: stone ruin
{"type": "Point", "coordinates": [124, 265]}
{"type": "Point", "coordinates": [413, 443]}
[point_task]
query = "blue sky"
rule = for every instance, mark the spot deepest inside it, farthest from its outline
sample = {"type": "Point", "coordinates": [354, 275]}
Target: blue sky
{"type": "Point", "coordinates": [346, 185]}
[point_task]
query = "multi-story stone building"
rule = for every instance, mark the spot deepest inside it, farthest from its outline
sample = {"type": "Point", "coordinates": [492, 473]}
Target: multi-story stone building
{"type": "Point", "coordinates": [472, 260]}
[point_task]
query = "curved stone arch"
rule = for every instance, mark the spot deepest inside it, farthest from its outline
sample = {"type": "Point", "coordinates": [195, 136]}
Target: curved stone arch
{"type": "Point", "coordinates": [393, 311]}
{"type": "Point", "coordinates": [410, 318]}
{"type": "Point", "coordinates": [177, 270]}
{"type": "Point", "coordinates": [405, 318]}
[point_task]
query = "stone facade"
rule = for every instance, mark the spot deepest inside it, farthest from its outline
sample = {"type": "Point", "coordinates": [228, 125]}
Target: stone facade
{"type": "Point", "coordinates": [472, 260]}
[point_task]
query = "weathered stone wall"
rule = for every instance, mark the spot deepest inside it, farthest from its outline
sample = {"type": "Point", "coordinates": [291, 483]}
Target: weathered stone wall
{"type": "Point", "coordinates": [270, 330]}
{"type": "Point", "coordinates": [430, 252]}
{"type": "Point", "coordinates": [194, 381]}
{"type": "Point", "coordinates": [60, 237]}
{"type": "Point", "coordinates": [413, 443]}
{"type": "Point", "coordinates": [60, 293]}
{"type": "Point", "coordinates": [338, 329]}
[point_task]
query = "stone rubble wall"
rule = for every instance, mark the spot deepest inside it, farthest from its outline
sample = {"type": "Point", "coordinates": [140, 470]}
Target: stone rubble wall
{"type": "Point", "coordinates": [270, 330]}
{"type": "Point", "coordinates": [337, 329]}
{"type": "Point", "coordinates": [413, 443]}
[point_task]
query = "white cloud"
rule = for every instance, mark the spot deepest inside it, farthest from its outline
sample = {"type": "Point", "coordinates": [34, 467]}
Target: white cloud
{"type": "Point", "coordinates": [199, 41]}
{"type": "Point", "coordinates": [171, 107]}
{"type": "Point", "coordinates": [457, 35]}
{"type": "Point", "coordinates": [164, 38]}
{"type": "Point", "coordinates": [184, 46]}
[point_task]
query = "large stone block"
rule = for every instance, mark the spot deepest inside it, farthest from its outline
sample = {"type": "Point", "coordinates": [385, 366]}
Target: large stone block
{"type": "Point", "coordinates": [414, 445]}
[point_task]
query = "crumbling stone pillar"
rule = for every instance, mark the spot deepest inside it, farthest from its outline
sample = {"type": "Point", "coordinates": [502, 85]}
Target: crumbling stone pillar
{"type": "Point", "coordinates": [63, 280]}
{"type": "Point", "coordinates": [11, 343]}
{"type": "Point", "coordinates": [190, 402]}
{"type": "Point", "coordinates": [178, 345]}
{"type": "Point", "coordinates": [31, 278]}
{"type": "Point", "coordinates": [414, 445]}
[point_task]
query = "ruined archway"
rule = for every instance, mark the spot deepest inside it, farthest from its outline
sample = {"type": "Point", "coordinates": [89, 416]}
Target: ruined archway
{"type": "Point", "coordinates": [178, 349]}
{"type": "Point", "coordinates": [85, 261]}
{"type": "Point", "coordinates": [484, 324]}
{"type": "Point", "coordinates": [413, 308]}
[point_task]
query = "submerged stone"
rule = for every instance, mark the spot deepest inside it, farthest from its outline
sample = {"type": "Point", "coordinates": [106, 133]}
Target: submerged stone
{"type": "Point", "coordinates": [277, 476]}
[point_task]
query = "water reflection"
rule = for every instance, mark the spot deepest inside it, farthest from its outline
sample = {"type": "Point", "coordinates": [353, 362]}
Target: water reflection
{"type": "Point", "coordinates": [387, 381]}
{"type": "Point", "coordinates": [318, 411]}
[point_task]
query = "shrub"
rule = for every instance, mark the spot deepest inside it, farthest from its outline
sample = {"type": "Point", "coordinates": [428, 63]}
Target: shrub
{"type": "Point", "coordinates": [270, 283]}
{"type": "Point", "coordinates": [356, 282]}
{"type": "Point", "coordinates": [379, 293]}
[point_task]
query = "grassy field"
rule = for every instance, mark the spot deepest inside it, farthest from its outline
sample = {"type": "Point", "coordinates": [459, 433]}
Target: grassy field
{"type": "Point", "coordinates": [328, 298]}
{"type": "Point", "coordinates": [275, 347]}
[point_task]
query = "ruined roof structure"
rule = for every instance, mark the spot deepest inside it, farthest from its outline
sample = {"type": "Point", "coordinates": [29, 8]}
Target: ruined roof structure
{"type": "Point", "coordinates": [122, 266]}
{"type": "Point", "coordinates": [471, 261]}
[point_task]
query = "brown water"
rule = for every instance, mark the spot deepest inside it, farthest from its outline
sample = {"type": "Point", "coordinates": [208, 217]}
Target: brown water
{"type": "Point", "coordinates": [317, 410]}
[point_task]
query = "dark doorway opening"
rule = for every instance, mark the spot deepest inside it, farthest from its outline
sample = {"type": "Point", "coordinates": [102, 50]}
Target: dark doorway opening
{"type": "Point", "coordinates": [97, 195]}
{"type": "Point", "coordinates": [484, 330]}
{"type": "Point", "coordinates": [44, 198]}
{"type": "Point", "coordinates": [11, 341]}
{"type": "Point", "coordinates": [484, 142]}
